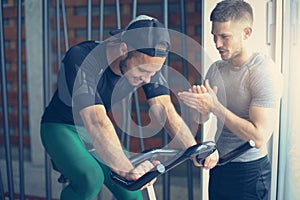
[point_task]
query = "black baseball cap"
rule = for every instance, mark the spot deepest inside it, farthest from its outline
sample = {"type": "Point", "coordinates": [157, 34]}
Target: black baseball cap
{"type": "Point", "coordinates": [146, 35]}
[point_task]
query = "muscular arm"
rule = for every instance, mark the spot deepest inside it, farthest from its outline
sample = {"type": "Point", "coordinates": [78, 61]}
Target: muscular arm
{"type": "Point", "coordinates": [174, 123]}
{"type": "Point", "coordinates": [177, 128]}
{"type": "Point", "coordinates": [105, 138]}
{"type": "Point", "coordinates": [259, 128]}
{"type": "Point", "coordinates": [108, 145]}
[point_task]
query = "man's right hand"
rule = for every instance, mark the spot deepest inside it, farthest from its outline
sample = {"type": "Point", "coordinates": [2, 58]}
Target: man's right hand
{"type": "Point", "coordinates": [140, 170]}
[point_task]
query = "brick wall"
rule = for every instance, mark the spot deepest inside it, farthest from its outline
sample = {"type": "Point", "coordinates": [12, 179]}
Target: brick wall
{"type": "Point", "coordinates": [11, 59]}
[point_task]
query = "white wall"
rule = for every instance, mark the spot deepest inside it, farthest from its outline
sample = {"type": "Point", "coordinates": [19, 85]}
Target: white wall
{"type": "Point", "coordinates": [289, 167]}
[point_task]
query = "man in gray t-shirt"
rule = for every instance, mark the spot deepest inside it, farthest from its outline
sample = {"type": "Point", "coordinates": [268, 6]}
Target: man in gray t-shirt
{"type": "Point", "coordinates": [244, 97]}
{"type": "Point", "coordinates": [244, 89]}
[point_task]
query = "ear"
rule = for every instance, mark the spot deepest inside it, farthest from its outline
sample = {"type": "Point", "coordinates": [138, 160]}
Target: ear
{"type": "Point", "coordinates": [123, 48]}
{"type": "Point", "coordinates": [247, 32]}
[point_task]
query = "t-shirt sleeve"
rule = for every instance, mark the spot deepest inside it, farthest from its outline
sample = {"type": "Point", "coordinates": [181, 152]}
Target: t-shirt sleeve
{"type": "Point", "coordinates": [157, 86]}
{"type": "Point", "coordinates": [78, 79]}
{"type": "Point", "coordinates": [266, 85]}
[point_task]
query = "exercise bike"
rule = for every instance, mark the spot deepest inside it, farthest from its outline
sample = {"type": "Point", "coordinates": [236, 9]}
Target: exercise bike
{"type": "Point", "coordinates": [201, 151]}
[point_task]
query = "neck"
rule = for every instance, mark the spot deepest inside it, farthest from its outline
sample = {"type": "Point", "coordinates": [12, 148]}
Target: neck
{"type": "Point", "coordinates": [113, 58]}
{"type": "Point", "coordinates": [241, 58]}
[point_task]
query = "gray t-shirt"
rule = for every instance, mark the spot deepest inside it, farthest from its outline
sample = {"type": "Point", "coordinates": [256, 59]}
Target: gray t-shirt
{"type": "Point", "coordinates": [255, 83]}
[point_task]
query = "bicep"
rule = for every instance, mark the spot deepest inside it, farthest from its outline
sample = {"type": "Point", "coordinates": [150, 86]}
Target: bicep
{"type": "Point", "coordinates": [263, 119]}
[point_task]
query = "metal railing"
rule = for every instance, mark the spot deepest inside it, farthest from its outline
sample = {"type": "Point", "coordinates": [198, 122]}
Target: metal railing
{"type": "Point", "coordinates": [8, 153]}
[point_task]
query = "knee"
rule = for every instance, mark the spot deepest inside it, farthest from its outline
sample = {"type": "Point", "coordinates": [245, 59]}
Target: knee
{"type": "Point", "coordinates": [92, 180]}
{"type": "Point", "coordinates": [87, 183]}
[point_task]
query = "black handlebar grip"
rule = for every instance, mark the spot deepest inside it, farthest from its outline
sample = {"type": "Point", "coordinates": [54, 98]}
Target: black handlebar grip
{"type": "Point", "coordinates": [139, 183]}
{"type": "Point", "coordinates": [236, 152]}
{"type": "Point", "coordinates": [205, 151]}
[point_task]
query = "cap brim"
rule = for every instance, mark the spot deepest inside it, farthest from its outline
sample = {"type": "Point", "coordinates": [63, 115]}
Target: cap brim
{"type": "Point", "coordinates": [115, 32]}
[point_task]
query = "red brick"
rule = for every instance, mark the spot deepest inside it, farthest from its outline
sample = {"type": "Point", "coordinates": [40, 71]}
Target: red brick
{"type": "Point", "coordinates": [10, 33]}
{"type": "Point", "coordinates": [11, 12]}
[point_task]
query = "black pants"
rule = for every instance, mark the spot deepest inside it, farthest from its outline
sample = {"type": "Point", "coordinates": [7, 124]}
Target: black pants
{"type": "Point", "coordinates": [241, 181]}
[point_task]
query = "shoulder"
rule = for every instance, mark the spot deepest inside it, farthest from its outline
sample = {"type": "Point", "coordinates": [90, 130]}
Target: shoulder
{"type": "Point", "coordinates": [81, 49]}
{"type": "Point", "coordinates": [216, 67]}
{"type": "Point", "coordinates": [264, 72]}
{"type": "Point", "coordinates": [219, 65]}
{"type": "Point", "coordinates": [260, 62]}
{"type": "Point", "coordinates": [264, 67]}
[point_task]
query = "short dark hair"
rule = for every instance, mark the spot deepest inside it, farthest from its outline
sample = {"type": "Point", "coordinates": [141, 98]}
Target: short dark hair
{"type": "Point", "coordinates": [232, 10]}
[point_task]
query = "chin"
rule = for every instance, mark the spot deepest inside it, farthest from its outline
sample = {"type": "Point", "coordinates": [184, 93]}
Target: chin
{"type": "Point", "coordinates": [135, 83]}
{"type": "Point", "coordinates": [226, 58]}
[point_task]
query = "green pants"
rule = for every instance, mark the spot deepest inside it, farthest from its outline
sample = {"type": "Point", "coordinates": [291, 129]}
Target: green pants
{"type": "Point", "coordinates": [67, 146]}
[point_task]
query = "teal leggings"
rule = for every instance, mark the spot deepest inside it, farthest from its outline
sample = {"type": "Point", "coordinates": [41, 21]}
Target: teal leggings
{"type": "Point", "coordinates": [85, 173]}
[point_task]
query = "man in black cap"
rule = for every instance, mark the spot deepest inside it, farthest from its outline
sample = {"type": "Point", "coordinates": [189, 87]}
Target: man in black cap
{"type": "Point", "coordinates": [75, 128]}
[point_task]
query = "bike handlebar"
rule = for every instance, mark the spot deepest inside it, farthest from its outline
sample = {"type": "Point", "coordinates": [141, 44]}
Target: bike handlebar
{"type": "Point", "coordinates": [201, 151]}
{"type": "Point", "coordinates": [236, 153]}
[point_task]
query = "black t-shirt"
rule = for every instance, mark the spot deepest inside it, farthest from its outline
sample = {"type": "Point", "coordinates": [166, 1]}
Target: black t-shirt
{"type": "Point", "coordinates": [85, 79]}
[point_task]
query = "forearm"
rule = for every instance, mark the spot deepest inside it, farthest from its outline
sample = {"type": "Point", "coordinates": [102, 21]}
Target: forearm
{"type": "Point", "coordinates": [200, 118]}
{"type": "Point", "coordinates": [178, 129]}
{"type": "Point", "coordinates": [183, 137]}
{"type": "Point", "coordinates": [244, 129]}
{"type": "Point", "coordinates": [163, 108]}
{"type": "Point", "coordinates": [110, 150]}
{"type": "Point", "coordinates": [106, 141]}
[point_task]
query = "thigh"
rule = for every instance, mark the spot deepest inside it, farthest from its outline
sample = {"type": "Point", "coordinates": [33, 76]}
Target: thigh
{"type": "Point", "coordinates": [228, 183]}
{"type": "Point", "coordinates": [244, 181]}
{"type": "Point", "coordinates": [69, 154]}
{"type": "Point", "coordinates": [218, 188]}
{"type": "Point", "coordinates": [263, 183]}
{"type": "Point", "coordinates": [62, 143]}
{"type": "Point", "coordinates": [66, 149]}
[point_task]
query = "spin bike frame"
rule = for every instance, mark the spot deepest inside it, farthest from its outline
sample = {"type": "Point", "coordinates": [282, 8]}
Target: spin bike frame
{"type": "Point", "coordinates": [201, 151]}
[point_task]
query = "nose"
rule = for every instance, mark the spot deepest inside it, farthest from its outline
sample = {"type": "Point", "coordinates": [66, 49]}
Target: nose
{"type": "Point", "coordinates": [146, 77]}
{"type": "Point", "coordinates": [218, 42]}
